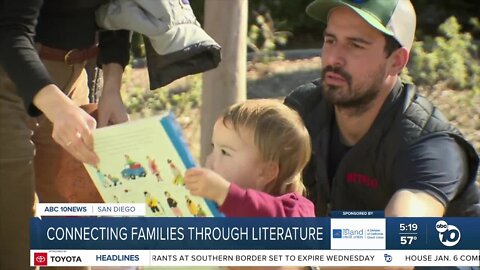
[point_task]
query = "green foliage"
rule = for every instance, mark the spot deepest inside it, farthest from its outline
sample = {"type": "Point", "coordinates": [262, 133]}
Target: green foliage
{"type": "Point", "coordinates": [475, 22]}
{"type": "Point", "coordinates": [263, 38]}
{"type": "Point", "coordinates": [137, 46]}
{"type": "Point", "coordinates": [430, 14]}
{"type": "Point", "coordinates": [181, 102]}
{"type": "Point", "coordinates": [291, 13]}
{"type": "Point", "coordinates": [449, 58]}
{"type": "Point", "coordinates": [405, 76]}
{"type": "Point", "coordinates": [308, 32]}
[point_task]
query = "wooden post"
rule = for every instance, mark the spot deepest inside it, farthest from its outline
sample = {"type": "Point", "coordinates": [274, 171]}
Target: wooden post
{"type": "Point", "coordinates": [226, 22]}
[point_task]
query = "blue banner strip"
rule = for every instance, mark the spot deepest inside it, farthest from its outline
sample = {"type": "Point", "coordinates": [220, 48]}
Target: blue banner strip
{"type": "Point", "coordinates": [433, 233]}
{"type": "Point", "coordinates": [180, 233]}
{"type": "Point", "coordinates": [241, 233]}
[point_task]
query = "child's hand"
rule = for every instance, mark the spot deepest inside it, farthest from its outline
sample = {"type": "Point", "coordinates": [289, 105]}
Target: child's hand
{"type": "Point", "coordinates": [207, 183]}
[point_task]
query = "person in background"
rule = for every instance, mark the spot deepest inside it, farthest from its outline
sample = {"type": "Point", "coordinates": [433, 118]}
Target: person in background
{"type": "Point", "coordinates": [259, 150]}
{"type": "Point", "coordinates": [378, 144]}
{"type": "Point", "coordinates": [44, 46]}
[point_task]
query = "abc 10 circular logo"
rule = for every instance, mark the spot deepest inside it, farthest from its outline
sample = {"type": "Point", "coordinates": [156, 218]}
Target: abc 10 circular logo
{"type": "Point", "coordinates": [449, 235]}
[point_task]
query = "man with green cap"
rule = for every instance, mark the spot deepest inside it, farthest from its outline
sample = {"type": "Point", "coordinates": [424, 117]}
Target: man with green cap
{"type": "Point", "coordinates": [377, 144]}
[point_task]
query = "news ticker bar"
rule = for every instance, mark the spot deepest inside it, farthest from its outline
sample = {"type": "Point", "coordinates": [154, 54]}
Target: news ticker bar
{"type": "Point", "coordinates": [254, 258]}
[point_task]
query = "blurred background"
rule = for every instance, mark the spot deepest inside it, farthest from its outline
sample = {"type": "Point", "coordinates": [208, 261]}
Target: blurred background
{"type": "Point", "coordinates": [284, 51]}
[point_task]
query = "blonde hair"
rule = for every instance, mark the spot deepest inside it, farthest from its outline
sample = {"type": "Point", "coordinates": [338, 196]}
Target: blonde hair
{"type": "Point", "coordinates": [279, 135]}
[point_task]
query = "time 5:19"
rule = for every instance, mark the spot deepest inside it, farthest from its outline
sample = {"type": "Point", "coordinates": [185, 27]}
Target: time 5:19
{"type": "Point", "coordinates": [409, 227]}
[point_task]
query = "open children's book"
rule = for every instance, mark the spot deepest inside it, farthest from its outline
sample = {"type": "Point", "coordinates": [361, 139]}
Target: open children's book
{"type": "Point", "coordinates": [144, 161]}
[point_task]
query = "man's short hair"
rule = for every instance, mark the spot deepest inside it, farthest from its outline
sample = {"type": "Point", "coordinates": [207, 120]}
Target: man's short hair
{"type": "Point", "coordinates": [391, 45]}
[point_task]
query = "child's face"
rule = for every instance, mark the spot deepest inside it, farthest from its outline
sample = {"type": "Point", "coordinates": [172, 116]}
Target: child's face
{"type": "Point", "coordinates": [235, 157]}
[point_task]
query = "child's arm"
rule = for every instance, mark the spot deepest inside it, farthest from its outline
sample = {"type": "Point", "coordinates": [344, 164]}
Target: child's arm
{"type": "Point", "coordinates": [206, 183]}
{"type": "Point", "coordinates": [235, 201]}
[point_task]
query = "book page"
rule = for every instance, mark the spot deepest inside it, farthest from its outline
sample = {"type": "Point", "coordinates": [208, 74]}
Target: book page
{"type": "Point", "coordinates": [140, 163]}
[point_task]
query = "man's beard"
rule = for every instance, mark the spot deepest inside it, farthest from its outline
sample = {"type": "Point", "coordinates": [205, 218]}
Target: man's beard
{"type": "Point", "coordinates": [352, 100]}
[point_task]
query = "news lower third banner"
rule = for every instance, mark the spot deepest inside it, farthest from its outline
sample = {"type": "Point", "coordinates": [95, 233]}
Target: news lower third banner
{"type": "Point", "coordinates": [102, 235]}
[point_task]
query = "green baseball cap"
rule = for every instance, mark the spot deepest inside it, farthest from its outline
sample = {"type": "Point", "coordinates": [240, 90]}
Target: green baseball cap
{"type": "Point", "coordinates": [393, 17]}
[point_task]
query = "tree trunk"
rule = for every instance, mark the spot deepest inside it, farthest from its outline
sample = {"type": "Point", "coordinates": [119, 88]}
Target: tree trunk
{"type": "Point", "coordinates": [226, 22]}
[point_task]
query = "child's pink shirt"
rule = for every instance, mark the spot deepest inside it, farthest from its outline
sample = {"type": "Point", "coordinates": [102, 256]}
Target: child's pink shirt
{"type": "Point", "coordinates": [253, 203]}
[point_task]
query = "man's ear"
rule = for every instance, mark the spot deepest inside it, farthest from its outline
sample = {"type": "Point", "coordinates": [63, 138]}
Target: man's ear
{"type": "Point", "coordinates": [397, 61]}
{"type": "Point", "coordinates": [269, 173]}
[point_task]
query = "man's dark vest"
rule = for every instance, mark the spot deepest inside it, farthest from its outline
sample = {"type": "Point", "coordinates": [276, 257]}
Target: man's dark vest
{"type": "Point", "coordinates": [404, 118]}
